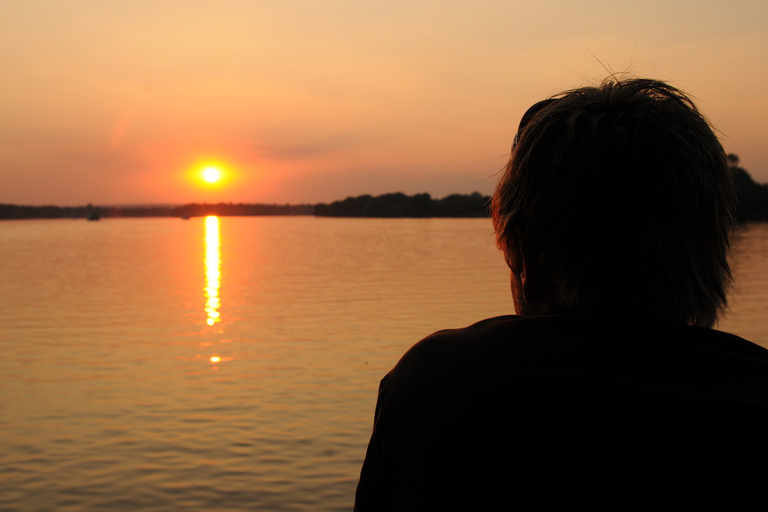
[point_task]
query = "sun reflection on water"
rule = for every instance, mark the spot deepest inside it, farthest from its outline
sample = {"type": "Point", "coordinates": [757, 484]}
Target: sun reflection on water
{"type": "Point", "coordinates": [212, 270]}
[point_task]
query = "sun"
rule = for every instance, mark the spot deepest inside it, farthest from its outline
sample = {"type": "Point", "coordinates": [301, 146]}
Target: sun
{"type": "Point", "coordinates": [211, 174]}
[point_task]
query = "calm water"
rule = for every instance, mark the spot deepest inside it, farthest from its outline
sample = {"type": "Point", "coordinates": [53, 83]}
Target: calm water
{"type": "Point", "coordinates": [232, 364]}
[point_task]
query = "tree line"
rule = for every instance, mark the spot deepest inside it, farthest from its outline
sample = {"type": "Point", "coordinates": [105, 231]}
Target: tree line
{"type": "Point", "coordinates": [752, 196]}
{"type": "Point", "coordinates": [387, 205]}
{"type": "Point", "coordinates": [752, 206]}
{"type": "Point", "coordinates": [401, 205]}
{"type": "Point", "coordinates": [11, 211]}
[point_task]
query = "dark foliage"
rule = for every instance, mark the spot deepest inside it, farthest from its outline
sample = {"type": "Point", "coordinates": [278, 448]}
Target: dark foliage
{"type": "Point", "coordinates": [401, 205]}
{"type": "Point", "coordinates": [752, 196]}
{"type": "Point", "coordinates": [10, 211]}
{"type": "Point", "coordinates": [752, 206]}
{"type": "Point", "coordinates": [240, 209]}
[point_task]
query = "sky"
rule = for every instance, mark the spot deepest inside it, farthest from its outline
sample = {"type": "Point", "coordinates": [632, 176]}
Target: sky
{"type": "Point", "coordinates": [306, 101]}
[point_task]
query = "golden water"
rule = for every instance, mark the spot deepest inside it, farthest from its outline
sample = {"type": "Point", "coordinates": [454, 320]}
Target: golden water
{"type": "Point", "coordinates": [227, 364]}
{"type": "Point", "coordinates": [232, 363]}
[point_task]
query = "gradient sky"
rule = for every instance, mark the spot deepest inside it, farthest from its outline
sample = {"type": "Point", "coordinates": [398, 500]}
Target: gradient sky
{"type": "Point", "coordinates": [299, 101]}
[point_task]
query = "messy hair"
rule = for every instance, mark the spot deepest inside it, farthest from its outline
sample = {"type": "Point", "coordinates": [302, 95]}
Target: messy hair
{"type": "Point", "coordinates": [621, 196]}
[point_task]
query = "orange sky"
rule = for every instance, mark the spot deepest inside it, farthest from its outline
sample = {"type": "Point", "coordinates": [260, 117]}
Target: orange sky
{"type": "Point", "coordinates": [309, 101]}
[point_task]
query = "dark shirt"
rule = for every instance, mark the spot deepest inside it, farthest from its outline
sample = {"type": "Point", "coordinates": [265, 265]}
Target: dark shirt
{"type": "Point", "coordinates": [571, 412]}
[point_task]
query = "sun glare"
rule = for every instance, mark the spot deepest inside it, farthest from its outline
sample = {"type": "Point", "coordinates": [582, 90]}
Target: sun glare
{"type": "Point", "coordinates": [211, 174]}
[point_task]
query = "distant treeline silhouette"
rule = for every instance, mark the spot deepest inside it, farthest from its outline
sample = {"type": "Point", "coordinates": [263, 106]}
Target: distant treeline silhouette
{"type": "Point", "coordinates": [11, 211]}
{"type": "Point", "coordinates": [240, 209]}
{"type": "Point", "coordinates": [752, 206]}
{"type": "Point", "coordinates": [752, 196]}
{"type": "Point", "coordinates": [387, 205]}
{"type": "Point", "coordinates": [401, 205]}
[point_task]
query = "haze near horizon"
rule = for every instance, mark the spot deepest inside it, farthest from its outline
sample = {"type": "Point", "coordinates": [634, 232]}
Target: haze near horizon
{"type": "Point", "coordinates": [306, 102]}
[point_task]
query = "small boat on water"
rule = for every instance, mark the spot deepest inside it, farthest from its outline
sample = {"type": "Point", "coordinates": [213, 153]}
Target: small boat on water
{"type": "Point", "coordinates": [93, 216]}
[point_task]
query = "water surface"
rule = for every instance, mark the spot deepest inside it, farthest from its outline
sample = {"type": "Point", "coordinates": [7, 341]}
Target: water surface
{"type": "Point", "coordinates": [233, 363]}
{"type": "Point", "coordinates": [160, 364]}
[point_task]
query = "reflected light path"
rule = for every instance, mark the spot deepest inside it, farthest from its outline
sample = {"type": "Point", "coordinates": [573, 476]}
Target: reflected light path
{"type": "Point", "coordinates": [212, 270]}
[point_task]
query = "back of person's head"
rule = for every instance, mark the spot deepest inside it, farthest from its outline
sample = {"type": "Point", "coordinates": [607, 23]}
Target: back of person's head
{"type": "Point", "coordinates": [621, 197]}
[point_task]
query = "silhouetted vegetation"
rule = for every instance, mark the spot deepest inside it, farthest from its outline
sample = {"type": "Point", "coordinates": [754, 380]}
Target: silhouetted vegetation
{"type": "Point", "coordinates": [752, 196]}
{"type": "Point", "coordinates": [10, 211]}
{"type": "Point", "coordinates": [401, 205]}
{"type": "Point", "coordinates": [240, 209]}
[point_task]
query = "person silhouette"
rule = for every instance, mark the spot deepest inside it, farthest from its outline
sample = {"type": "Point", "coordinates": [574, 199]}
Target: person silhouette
{"type": "Point", "coordinates": [609, 389]}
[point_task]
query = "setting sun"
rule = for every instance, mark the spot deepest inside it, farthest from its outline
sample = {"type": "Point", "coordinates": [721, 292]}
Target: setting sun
{"type": "Point", "coordinates": [211, 174]}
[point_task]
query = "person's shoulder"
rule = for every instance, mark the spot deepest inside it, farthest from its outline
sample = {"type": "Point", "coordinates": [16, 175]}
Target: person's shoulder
{"type": "Point", "coordinates": [520, 328]}
{"type": "Point", "coordinates": [525, 335]}
{"type": "Point", "coordinates": [715, 340]}
{"type": "Point", "coordinates": [446, 344]}
{"type": "Point", "coordinates": [511, 341]}
{"type": "Point", "coordinates": [591, 346]}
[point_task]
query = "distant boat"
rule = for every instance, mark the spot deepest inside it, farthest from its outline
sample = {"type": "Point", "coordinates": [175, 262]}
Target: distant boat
{"type": "Point", "coordinates": [94, 216]}
{"type": "Point", "coordinates": [185, 217]}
